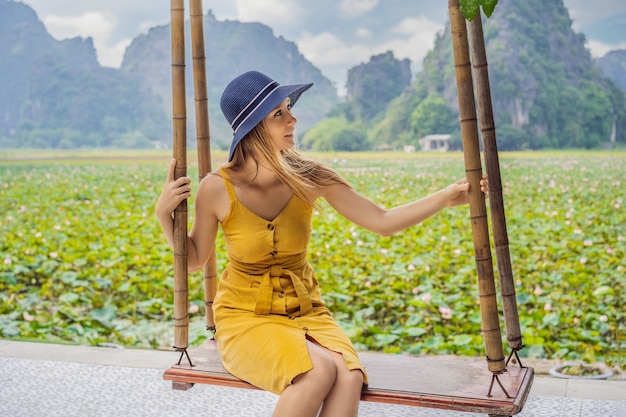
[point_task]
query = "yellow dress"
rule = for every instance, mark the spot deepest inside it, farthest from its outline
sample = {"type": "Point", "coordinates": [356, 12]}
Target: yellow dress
{"type": "Point", "coordinates": [268, 300]}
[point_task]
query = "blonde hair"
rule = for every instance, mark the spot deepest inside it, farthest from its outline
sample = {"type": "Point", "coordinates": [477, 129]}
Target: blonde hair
{"type": "Point", "coordinates": [302, 175]}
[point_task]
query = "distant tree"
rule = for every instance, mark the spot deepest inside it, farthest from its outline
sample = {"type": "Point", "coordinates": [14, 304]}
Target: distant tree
{"type": "Point", "coordinates": [371, 86]}
{"type": "Point", "coordinates": [596, 120]}
{"type": "Point", "coordinates": [132, 140]}
{"type": "Point", "coordinates": [93, 140]}
{"type": "Point", "coordinates": [511, 138]}
{"type": "Point", "coordinates": [395, 127]}
{"type": "Point", "coordinates": [337, 134]}
{"type": "Point", "coordinates": [432, 116]}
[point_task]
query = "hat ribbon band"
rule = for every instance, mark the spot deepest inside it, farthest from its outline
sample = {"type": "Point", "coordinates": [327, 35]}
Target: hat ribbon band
{"type": "Point", "coordinates": [254, 104]}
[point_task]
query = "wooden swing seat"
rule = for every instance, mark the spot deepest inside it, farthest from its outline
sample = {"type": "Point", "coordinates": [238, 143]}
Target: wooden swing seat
{"type": "Point", "coordinates": [458, 385]}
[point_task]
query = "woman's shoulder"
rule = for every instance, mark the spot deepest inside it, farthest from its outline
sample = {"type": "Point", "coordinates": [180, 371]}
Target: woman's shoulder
{"type": "Point", "coordinates": [213, 182]}
{"type": "Point", "coordinates": [212, 195]}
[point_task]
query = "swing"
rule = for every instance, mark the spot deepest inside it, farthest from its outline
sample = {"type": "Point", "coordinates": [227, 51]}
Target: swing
{"type": "Point", "coordinates": [465, 386]}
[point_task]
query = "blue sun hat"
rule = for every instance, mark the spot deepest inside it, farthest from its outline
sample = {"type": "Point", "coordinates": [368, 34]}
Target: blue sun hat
{"type": "Point", "coordinates": [250, 97]}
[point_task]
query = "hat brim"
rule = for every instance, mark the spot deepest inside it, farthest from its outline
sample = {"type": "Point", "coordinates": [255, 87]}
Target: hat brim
{"type": "Point", "coordinates": [293, 91]}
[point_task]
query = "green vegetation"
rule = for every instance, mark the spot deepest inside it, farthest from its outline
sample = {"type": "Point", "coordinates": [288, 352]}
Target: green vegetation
{"type": "Point", "coordinates": [371, 87]}
{"type": "Point", "coordinates": [469, 8]}
{"type": "Point", "coordinates": [547, 92]}
{"type": "Point", "coordinates": [337, 134]}
{"type": "Point", "coordinates": [582, 370]}
{"type": "Point", "coordinates": [82, 258]}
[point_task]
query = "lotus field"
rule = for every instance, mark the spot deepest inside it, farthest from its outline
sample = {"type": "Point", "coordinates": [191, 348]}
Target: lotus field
{"type": "Point", "coordinates": [83, 260]}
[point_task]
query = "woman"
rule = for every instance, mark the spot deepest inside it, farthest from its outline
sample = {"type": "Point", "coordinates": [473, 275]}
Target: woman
{"type": "Point", "coordinates": [273, 329]}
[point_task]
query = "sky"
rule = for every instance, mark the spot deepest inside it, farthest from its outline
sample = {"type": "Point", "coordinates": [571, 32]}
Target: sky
{"type": "Point", "coordinates": [335, 35]}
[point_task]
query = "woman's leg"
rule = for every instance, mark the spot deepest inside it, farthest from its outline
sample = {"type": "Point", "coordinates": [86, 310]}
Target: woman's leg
{"type": "Point", "coordinates": [343, 400]}
{"type": "Point", "coordinates": [330, 383]}
{"type": "Point", "coordinates": [304, 397]}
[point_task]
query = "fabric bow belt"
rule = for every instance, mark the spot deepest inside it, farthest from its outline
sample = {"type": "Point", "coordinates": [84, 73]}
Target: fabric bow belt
{"type": "Point", "coordinates": [266, 290]}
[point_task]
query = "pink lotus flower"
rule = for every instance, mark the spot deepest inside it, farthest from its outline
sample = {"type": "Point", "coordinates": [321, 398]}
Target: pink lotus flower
{"type": "Point", "coordinates": [446, 313]}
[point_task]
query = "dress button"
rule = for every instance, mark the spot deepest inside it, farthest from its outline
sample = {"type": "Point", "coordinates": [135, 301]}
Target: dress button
{"type": "Point", "coordinates": [270, 226]}
{"type": "Point", "coordinates": [281, 294]}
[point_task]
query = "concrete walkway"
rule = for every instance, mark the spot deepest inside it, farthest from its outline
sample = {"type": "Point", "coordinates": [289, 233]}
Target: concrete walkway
{"type": "Point", "coordinates": [49, 380]}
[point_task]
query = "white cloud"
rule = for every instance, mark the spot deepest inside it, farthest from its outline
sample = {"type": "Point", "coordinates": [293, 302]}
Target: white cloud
{"type": "Point", "coordinates": [584, 14]}
{"type": "Point", "coordinates": [411, 39]}
{"type": "Point", "coordinates": [271, 12]}
{"type": "Point", "coordinates": [97, 25]}
{"type": "Point", "coordinates": [328, 50]}
{"type": "Point", "coordinates": [599, 49]}
{"type": "Point", "coordinates": [354, 8]}
{"type": "Point", "coordinates": [333, 56]}
{"type": "Point", "coordinates": [146, 25]}
{"type": "Point", "coordinates": [417, 38]}
{"type": "Point", "coordinates": [411, 25]}
{"type": "Point", "coordinates": [113, 56]}
{"type": "Point", "coordinates": [363, 33]}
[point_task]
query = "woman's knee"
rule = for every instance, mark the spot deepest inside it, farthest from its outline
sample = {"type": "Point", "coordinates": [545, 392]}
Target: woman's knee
{"type": "Point", "coordinates": [324, 368]}
{"type": "Point", "coordinates": [347, 376]}
{"type": "Point", "coordinates": [355, 378]}
{"type": "Point", "coordinates": [350, 378]}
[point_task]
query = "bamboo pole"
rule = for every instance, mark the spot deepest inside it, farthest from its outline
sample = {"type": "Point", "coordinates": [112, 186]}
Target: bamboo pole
{"type": "Point", "coordinates": [478, 210]}
{"type": "Point", "coordinates": [496, 201]}
{"type": "Point", "coordinates": [179, 120]}
{"type": "Point", "coordinates": [203, 139]}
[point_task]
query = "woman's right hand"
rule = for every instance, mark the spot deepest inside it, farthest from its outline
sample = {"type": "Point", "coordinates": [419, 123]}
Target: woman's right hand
{"type": "Point", "coordinates": [173, 193]}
